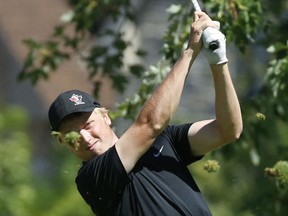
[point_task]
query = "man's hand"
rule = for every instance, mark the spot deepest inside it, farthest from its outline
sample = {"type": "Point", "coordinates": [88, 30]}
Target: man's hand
{"type": "Point", "coordinates": [201, 22]}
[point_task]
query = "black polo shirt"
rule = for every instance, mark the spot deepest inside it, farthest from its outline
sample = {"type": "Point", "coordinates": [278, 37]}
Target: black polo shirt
{"type": "Point", "coordinates": [159, 184]}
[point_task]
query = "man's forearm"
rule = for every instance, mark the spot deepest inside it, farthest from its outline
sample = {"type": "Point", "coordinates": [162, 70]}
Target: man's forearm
{"type": "Point", "coordinates": [227, 108]}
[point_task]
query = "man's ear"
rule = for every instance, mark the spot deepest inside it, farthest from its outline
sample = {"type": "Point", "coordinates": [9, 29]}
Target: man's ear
{"type": "Point", "coordinates": [107, 118]}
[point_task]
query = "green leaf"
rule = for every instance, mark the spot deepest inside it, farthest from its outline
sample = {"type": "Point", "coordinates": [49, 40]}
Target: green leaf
{"type": "Point", "coordinates": [136, 69]}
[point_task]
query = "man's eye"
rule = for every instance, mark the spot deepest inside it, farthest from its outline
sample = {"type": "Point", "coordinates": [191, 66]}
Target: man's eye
{"type": "Point", "coordinates": [88, 125]}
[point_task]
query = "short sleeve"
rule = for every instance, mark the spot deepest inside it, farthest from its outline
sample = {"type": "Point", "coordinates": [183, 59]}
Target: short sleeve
{"type": "Point", "coordinates": [179, 138]}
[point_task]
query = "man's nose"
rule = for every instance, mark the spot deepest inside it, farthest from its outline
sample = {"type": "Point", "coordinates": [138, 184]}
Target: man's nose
{"type": "Point", "coordinates": [86, 136]}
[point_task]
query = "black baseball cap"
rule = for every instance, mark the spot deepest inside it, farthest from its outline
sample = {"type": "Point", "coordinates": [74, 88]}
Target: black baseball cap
{"type": "Point", "coordinates": [69, 102]}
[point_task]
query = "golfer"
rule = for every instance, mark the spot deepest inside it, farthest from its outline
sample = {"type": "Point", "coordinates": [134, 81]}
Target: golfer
{"type": "Point", "coordinates": [144, 171]}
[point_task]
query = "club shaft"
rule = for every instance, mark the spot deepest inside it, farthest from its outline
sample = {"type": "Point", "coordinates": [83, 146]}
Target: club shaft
{"type": "Point", "coordinates": [196, 5]}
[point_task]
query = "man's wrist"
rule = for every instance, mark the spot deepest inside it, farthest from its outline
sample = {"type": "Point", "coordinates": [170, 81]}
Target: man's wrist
{"type": "Point", "coordinates": [190, 54]}
{"type": "Point", "coordinates": [218, 67]}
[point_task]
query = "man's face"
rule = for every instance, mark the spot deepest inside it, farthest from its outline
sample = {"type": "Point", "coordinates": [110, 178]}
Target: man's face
{"type": "Point", "coordinates": [96, 136]}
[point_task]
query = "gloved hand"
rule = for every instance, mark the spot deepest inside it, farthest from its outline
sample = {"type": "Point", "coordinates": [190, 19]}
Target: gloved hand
{"type": "Point", "coordinates": [217, 56]}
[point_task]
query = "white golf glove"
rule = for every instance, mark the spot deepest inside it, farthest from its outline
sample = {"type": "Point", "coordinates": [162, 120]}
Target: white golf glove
{"type": "Point", "coordinates": [214, 36]}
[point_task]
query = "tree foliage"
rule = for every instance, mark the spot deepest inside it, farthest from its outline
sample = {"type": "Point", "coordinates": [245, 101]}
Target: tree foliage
{"type": "Point", "coordinates": [16, 193]}
{"type": "Point", "coordinates": [247, 24]}
{"type": "Point", "coordinates": [85, 19]}
{"type": "Point", "coordinates": [21, 192]}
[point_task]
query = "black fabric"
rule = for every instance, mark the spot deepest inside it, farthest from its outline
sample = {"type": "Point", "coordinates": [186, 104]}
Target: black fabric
{"type": "Point", "coordinates": [160, 183]}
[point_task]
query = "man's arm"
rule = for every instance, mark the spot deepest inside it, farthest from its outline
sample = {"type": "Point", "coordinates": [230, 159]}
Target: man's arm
{"type": "Point", "coordinates": [155, 114]}
{"type": "Point", "coordinates": [208, 135]}
{"type": "Point", "coordinates": [158, 109]}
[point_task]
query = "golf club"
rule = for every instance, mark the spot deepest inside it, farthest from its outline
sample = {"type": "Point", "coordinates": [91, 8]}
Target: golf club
{"type": "Point", "coordinates": [214, 44]}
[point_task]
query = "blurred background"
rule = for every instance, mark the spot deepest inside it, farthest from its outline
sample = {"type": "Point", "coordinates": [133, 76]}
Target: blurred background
{"type": "Point", "coordinates": [37, 174]}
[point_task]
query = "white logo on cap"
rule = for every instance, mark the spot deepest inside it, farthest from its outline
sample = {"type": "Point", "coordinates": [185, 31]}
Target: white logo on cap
{"type": "Point", "coordinates": [77, 99]}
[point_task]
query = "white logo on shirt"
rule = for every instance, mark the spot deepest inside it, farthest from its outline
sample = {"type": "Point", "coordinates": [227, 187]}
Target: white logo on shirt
{"type": "Point", "coordinates": [158, 154]}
